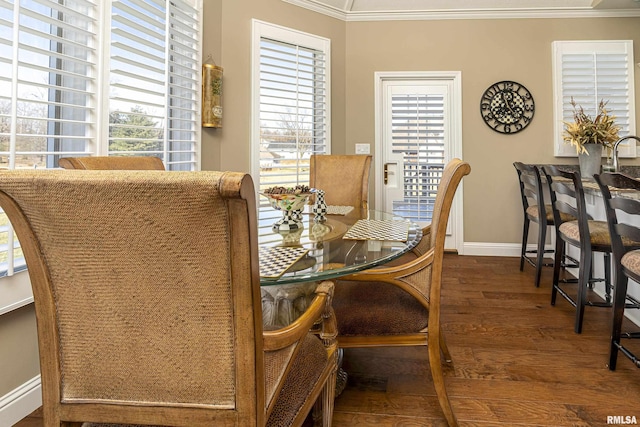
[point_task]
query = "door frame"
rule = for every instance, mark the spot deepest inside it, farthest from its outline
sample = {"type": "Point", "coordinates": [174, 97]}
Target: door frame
{"type": "Point", "coordinates": [455, 144]}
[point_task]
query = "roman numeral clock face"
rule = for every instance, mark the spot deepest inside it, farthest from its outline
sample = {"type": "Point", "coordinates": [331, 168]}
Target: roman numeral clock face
{"type": "Point", "coordinates": [507, 107]}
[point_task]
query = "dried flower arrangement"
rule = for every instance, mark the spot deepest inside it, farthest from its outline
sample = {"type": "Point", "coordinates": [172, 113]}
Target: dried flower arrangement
{"type": "Point", "coordinates": [587, 130]}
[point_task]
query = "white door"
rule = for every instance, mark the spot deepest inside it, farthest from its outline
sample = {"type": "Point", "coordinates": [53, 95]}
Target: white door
{"type": "Point", "coordinates": [417, 138]}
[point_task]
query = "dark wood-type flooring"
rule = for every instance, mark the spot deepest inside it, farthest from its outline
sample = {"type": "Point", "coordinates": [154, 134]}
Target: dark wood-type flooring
{"type": "Point", "coordinates": [517, 361]}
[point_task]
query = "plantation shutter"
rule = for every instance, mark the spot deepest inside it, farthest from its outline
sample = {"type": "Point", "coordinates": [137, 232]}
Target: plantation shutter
{"type": "Point", "coordinates": [590, 72]}
{"type": "Point", "coordinates": [293, 105]}
{"type": "Point", "coordinates": [50, 96]}
{"type": "Point", "coordinates": [154, 76]}
{"type": "Point", "coordinates": [418, 136]}
{"type": "Point", "coordinates": [47, 91]}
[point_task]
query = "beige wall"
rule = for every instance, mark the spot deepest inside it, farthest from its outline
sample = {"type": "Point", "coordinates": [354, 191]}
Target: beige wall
{"type": "Point", "coordinates": [228, 148]}
{"type": "Point", "coordinates": [485, 51]}
{"type": "Point", "coordinates": [19, 349]}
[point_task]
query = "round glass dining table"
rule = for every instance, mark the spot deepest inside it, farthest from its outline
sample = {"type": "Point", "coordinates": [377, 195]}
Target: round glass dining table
{"type": "Point", "coordinates": [345, 243]}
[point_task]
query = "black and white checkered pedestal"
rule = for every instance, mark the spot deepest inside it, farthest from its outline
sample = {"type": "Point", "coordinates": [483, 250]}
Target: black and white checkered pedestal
{"type": "Point", "coordinates": [289, 221]}
{"type": "Point", "coordinates": [319, 207]}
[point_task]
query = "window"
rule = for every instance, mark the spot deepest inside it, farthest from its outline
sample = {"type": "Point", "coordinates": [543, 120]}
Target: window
{"type": "Point", "coordinates": [290, 104]}
{"type": "Point", "coordinates": [590, 71]}
{"type": "Point", "coordinates": [51, 90]}
{"type": "Point", "coordinates": [154, 71]}
{"type": "Point", "coordinates": [417, 139]}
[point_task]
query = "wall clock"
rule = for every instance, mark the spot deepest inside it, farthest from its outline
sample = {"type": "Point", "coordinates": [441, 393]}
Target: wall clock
{"type": "Point", "coordinates": [507, 107]}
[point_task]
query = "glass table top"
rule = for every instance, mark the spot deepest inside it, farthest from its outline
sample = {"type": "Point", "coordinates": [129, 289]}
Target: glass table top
{"type": "Point", "coordinates": [333, 248]}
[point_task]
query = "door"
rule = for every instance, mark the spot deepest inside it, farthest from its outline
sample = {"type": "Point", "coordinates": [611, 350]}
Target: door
{"type": "Point", "coordinates": [417, 138]}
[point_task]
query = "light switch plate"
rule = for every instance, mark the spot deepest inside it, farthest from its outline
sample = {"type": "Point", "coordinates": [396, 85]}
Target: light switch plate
{"type": "Point", "coordinates": [363, 148]}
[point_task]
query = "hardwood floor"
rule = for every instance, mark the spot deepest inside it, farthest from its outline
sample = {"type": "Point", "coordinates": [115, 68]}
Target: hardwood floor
{"type": "Point", "coordinates": [517, 361]}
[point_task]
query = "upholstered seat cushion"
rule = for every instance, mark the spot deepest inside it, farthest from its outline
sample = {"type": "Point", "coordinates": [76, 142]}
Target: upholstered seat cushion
{"type": "Point", "coordinates": [631, 261]}
{"type": "Point", "coordinates": [598, 231]}
{"type": "Point", "coordinates": [304, 374]}
{"type": "Point", "coordinates": [376, 308]}
{"type": "Point", "coordinates": [532, 212]}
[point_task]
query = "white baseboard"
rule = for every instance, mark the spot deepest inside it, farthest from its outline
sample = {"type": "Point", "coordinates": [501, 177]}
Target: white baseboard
{"type": "Point", "coordinates": [20, 402]}
{"type": "Point", "coordinates": [495, 249]}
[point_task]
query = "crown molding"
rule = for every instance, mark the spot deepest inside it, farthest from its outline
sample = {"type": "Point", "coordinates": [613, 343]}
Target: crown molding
{"type": "Point", "coordinates": [430, 15]}
{"type": "Point", "coordinates": [489, 14]}
{"type": "Point", "coordinates": [333, 12]}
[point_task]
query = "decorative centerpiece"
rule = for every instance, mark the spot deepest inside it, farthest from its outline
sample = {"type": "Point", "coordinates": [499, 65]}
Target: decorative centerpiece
{"type": "Point", "coordinates": [589, 135]}
{"type": "Point", "coordinates": [319, 207]}
{"type": "Point", "coordinates": [290, 201]}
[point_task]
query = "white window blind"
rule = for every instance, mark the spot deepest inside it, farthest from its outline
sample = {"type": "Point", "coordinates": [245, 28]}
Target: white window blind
{"type": "Point", "coordinates": [291, 104]}
{"type": "Point", "coordinates": [47, 91]}
{"type": "Point", "coordinates": [588, 72]}
{"type": "Point", "coordinates": [51, 102]}
{"type": "Point", "coordinates": [154, 76]}
{"type": "Point", "coordinates": [418, 136]}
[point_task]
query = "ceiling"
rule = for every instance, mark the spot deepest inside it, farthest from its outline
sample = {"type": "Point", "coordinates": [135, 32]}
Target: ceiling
{"type": "Point", "coordinates": [373, 10]}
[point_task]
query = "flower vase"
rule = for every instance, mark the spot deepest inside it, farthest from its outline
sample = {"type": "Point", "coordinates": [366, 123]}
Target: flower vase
{"type": "Point", "coordinates": [590, 161]}
{"type": "Point", "coordinates": [319, 207]}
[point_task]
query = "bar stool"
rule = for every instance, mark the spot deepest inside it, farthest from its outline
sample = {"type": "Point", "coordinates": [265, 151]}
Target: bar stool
{"type": "Point", "coordinates": [534, 210]}
{"type": "Point", "coordinates": [574, 232]}
{"type": "Point", "coordinates": [625, 242]}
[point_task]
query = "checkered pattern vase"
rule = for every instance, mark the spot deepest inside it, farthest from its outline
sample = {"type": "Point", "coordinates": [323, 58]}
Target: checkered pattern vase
{"type": "Point", "coordinates": [320, 207]}
{"type": "Point", "coordinates": [288, 222]}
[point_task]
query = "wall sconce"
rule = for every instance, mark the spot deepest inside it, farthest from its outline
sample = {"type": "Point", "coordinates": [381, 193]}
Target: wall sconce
{"type": "Point", "coordinates": [211, 96]}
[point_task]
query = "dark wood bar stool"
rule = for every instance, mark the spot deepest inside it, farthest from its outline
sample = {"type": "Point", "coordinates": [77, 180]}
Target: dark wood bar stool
{"type": "Point", "coordinates": [625, 243]}
{"type": "Point", "coordinates": [582, 232]}
{"type": "Point", "coordinates": [534, 210]}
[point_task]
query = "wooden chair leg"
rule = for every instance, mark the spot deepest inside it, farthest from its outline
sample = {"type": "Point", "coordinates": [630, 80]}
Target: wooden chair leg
{"type": "Point", "coordinates": [525, 236]}
{"type": "Point", "coordinates": [559, 253]}
{"type": "Point", "coordinates": [584, 276]}
{"type": "Point", "coordinates": [329, 398]}
{"type": "Point", "coordinates": [446, 355]}
{"type": "Point", "coordinates": [435, 364]}
{"type": "Point", "coordinates": [608, 284]}
{"type": "Point", "coordinates": [619, 299]}
{"type": "Point", "coordinates": [542, 236]}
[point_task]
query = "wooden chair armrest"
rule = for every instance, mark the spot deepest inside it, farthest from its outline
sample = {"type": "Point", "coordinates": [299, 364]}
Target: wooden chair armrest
{"type": "Point", "coordinates": [389, 273]}
{"type": "Point", "coordinates": [315, 313]}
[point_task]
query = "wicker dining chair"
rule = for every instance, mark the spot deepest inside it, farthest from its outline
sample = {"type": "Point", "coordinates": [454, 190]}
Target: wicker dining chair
{"type": "Point", "coordinates": [148, 309]}
{"type": "Point", "coordinates": [621, 195]}
{"type": "Point", "coordinates": [112, 163]}
{"type": "Point", "coordinates": [344, 178]}
{"type": "Point", "coordinates": [399, 305]}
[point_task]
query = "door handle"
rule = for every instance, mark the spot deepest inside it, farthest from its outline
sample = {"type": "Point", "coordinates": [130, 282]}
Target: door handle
{"type": "Point", "coordinates": [386, 173]}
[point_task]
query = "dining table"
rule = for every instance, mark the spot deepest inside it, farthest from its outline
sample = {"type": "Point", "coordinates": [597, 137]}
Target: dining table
{"type": "Point", "coordinates": [347, 241]}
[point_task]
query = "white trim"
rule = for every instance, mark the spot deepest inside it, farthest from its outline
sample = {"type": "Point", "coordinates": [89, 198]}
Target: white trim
{"type": "Point", "coordinates": [320, 8]}
{"type": "Point", "coordinates": [15, 292]}
{"type": "Point", "coordinates": [487, 14]}
{"type": "Point", "coordinates": [20, 402]}
{"type": "Point", "coordinates": [492, 249]}
{"type": "Point", "coordinates": [261, 29]}
{"type": "Point", "coordinates": [560, 48]}
{"type": "Point", "coordinates": [15, 305]}
{"type": "Point", "coordinates": [429, 15]}
{"type": "Point", "coordinates": [455, 147]}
